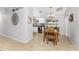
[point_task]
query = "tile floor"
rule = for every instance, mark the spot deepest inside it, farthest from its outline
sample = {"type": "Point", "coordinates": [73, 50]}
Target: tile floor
{"type": "Point", "coordinates": [36, 44]}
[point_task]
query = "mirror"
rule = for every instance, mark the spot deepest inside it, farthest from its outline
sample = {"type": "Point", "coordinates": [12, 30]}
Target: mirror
{"type": "Point", "coordinates": [15, 19]}
{"type": "Point", "coordinates": [71, 18]}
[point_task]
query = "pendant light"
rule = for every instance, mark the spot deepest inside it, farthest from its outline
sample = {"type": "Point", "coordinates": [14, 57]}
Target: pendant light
{"type": "Point", "coordinates": [50, 16]}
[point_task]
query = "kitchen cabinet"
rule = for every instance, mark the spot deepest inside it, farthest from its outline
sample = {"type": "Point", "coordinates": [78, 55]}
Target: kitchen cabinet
{"type": "Point", "coordinates": [35, 29]}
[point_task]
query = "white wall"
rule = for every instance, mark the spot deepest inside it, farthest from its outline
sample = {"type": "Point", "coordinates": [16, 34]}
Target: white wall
{"type": "Point", "coordinates": [67, 26]}
{"type": "Point", "coordinates": [22, 31]}
{"type": "Point", "coordinates": [3, 19]}
{"type": "Point", "coordinates": [73, 27]}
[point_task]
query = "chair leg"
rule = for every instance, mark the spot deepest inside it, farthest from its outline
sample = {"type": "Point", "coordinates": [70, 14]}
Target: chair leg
{"type": "Point", "coordinates": [47, 40]}
{"type": "Point", "coordinates": [55, 41]}
{"type": "Point", "coordinates": [58, 39]}
{"type": "Point", "coordinates": [43, 39]}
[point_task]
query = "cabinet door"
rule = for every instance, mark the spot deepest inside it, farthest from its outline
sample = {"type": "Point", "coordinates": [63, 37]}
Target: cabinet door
{"type": "Point", "coordinates": [40, 11]}
{"type": "Point", "coordinates": [35, 29]}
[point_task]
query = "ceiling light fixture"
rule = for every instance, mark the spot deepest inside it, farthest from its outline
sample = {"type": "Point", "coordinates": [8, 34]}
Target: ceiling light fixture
{"type": "Point", "coordinates": [50, 16]}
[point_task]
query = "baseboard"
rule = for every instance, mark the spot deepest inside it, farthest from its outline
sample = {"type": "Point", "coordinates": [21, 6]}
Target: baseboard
{"type": "Point", "coordinates": [22, 41]}
{"type": "Point", "coordinates": [73, 43]}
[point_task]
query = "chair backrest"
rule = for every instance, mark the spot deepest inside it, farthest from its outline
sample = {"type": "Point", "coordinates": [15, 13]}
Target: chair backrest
{"type": "Point", "coordinates": [57, 28]}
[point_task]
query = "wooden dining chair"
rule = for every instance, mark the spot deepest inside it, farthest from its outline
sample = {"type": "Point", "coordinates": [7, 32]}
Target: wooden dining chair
{"type": "Point", "coordinates": [50, 34]}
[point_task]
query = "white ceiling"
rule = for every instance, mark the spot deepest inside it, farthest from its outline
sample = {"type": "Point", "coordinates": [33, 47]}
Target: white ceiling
{"type": "Point", "coordinates": [45, 10]}
{"type": "Point", "coordinates": [58, 11]}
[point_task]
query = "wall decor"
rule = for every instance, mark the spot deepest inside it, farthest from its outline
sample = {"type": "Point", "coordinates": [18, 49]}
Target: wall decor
{"type": "Point", "coordinates": [15, 19]}
{"type": "Point", "coordinates": [29, 20]}
{"type": "Point", "coordinates": [71, 16]}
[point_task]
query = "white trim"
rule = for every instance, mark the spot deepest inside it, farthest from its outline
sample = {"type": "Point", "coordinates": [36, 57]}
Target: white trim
{"type": "Point", "coordinates": [22, 41]}
{"type": "Point", "coordinates": [73, 42]}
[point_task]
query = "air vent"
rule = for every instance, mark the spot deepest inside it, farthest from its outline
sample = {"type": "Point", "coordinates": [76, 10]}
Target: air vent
{"type": "Point", "coordinates": [59, 9]}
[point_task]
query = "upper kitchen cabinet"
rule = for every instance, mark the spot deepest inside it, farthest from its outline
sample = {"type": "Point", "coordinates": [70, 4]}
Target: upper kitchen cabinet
{"type": "Point", "coordinates": [40, 12]}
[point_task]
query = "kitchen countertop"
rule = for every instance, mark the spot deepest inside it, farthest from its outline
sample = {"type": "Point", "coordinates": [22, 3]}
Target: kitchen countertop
{"type": "Point", "coordinates": [38, 24]}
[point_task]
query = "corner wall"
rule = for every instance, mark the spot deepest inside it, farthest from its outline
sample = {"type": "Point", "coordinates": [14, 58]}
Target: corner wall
{"type": "Point", "coordinates": [74, 26]}
{"type": "Point", "coordinates": [22, 31]}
